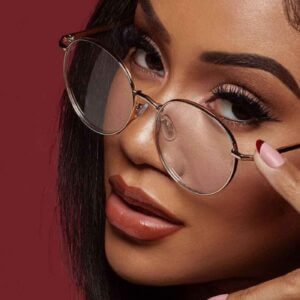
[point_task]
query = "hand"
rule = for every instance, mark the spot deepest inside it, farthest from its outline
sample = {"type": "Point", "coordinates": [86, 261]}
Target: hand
{"type": "Point", "coordinates": [285, 179]}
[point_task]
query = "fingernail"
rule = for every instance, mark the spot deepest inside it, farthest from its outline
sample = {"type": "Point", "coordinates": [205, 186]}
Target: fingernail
{"type": "Point", "coordinates": [269, 155]}
{"type": "Point", "coordinates": [220, 297]}
{"type": "Point", "coordinates": [258, 145]}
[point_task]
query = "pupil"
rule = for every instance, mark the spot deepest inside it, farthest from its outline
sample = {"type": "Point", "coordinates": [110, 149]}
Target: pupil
{"type": "Point", "coordinates": [241, 112]}
{"type": "Point", "coordinates": [154, 62]}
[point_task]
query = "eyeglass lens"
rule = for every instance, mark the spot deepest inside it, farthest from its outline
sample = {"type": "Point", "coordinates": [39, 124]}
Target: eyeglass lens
{"type": "Point", "coordinates": [198, 159]}
{"type": "Point", "coordinates": [101, 90]}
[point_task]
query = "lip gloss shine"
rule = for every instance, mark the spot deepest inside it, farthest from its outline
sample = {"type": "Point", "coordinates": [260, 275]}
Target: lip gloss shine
{"type": "Point", "coordinates": [136, 224]}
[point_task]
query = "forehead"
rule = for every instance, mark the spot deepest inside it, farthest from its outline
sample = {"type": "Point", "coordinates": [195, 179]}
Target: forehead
{"type": "Point", "coordinates": [248, 26]}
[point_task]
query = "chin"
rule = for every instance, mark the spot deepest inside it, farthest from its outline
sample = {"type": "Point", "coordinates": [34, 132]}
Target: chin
{"type": "Point", "coordinates": [130, 260]}
{"type": "Point", "coordinates": [143, 264]}
{"type": "Point", "coordinates": [137, 263]}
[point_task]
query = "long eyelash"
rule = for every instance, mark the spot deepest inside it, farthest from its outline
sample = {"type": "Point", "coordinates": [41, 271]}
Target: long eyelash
{"type": "Point", "coordinates": [134, 37]}
{"type": "Point", "coordinates": [238, 94]}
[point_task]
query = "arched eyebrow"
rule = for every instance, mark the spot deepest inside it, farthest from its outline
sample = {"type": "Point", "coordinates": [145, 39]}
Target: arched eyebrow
{"type": "Point", "coordinates": [254, 61]}
{"type": "Point", "coordinates": [244, 60]}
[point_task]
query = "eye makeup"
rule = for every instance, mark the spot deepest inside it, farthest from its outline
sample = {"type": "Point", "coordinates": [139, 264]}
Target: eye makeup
{"type": "Point", "coordinates": [146, 55]}
{"type": "Point", "coordinates": [247, 109]}
{"type": "Point", "coordinates": [234, 104]}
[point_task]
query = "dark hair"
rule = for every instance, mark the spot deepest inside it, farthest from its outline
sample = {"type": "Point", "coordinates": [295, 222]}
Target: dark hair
{"type": "Point", "coordinates": [292, 11]}
{"type": "Point", "coordinates": [81, 193]}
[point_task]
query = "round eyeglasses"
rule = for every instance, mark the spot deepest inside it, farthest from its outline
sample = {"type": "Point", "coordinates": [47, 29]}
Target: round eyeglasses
{"type": "Point", "coordinates": [197, 150]}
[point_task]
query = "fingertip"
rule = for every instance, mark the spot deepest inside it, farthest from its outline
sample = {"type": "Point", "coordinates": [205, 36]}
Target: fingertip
{"type": "Point", "coordinates": [269, 155]}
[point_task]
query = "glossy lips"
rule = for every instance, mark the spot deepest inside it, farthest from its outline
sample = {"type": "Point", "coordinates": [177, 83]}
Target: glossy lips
{"type": "Point", "coordinates": [136, 214]}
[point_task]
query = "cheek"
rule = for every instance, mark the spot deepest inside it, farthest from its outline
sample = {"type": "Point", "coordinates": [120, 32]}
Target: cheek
{"type": "Point", "coordinates": [248, 208]}
{"type": "Point", "coordinates": [249, 194]}
{"type": "Point", "coordinates": [112, 158]}
{"type": "Point", "coordinates": [248, 223]}
{"type": "Point", "coordinates": [112, 151]}
{"type": "Point", "coordinates": [228, 234]}
{"type": "Point", "coordinates": [119, 103]}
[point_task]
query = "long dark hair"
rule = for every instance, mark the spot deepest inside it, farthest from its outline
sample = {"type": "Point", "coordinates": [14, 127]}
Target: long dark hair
{"type": "Point", "coordinates": [81, 193]}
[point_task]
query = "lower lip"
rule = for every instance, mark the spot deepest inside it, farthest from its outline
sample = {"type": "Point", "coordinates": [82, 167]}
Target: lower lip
{"type": "Point", "coordinates": [136, 224]}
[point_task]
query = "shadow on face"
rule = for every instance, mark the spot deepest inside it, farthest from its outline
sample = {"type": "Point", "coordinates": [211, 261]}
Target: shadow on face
{"type": "Point", "coordinates": [239, 61]}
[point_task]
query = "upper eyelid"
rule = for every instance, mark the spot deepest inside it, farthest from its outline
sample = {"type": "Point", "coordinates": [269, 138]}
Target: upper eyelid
{"type": "Point", "coordinates": [253, 94]}
{"type": "Point", "coordinates": [238, 91]}
{"type": "Point", "coordinates": [253, 60]}
{"type": "Point", "coordinates": [231, 88]}
{"type": "Point", "coordinates": [152, 43]}
{"type": "Point", "coordinates": [225, 87]}
{"type": "Point", "coordinates": [155, 46]}
{"type": "Point", "coordinates": [161, 45]}
{"type": "Point", "coordinates": [245, 92]}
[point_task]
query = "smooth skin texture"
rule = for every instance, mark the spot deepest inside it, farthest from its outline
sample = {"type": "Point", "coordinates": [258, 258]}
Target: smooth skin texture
{"type": "Point", "coordinates": [285, 179]}
{"type": "Point", "coordinates": [247, 233]}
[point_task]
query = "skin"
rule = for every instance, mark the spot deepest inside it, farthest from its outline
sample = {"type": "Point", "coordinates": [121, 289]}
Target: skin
{"type": "Point", "coordinates": [285, 179]}
{"type": "Point", "coordinates": [246, 233]}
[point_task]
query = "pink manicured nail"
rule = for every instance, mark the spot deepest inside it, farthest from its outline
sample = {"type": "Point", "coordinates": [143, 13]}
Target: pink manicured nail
{"type": "Point", "coordinates": [220, 297]}
{"type": "Point", "coordinates": [270, 156]}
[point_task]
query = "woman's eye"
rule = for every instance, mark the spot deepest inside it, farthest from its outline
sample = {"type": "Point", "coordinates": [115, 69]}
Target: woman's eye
{"type": "Point", "coordinates": [237, 105]}
{"type": "Point", "coordinates": [233, 111]}
{"type": "Point", "coordinates": [149, 60]}
{"type": "Point", "coordinates": [146, 56]}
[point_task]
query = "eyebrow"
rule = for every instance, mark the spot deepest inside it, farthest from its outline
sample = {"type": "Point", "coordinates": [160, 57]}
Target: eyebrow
{"type": "Point", "coordinates": [154, 21]}
{"type": "Point", "coordinates": [254, 61]}
{"type": "Point", "coordinates": [246, 60]}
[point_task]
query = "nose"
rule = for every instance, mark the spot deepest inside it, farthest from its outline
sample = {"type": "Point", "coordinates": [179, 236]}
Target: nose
{"type": "Point", "coordinates": [137, 140]}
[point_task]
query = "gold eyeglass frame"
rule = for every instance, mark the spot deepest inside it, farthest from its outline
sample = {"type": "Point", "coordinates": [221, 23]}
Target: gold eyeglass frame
{"type": "Point", "coordinates": [67, 40]}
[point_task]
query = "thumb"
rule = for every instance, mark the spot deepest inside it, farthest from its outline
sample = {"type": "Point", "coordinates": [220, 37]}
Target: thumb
{"type": "Point", "coordinates": [279, 171]}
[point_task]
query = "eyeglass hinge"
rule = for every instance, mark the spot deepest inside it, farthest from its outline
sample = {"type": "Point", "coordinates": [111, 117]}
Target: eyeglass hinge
{"type": "Point", "coordinates": [66, 40]}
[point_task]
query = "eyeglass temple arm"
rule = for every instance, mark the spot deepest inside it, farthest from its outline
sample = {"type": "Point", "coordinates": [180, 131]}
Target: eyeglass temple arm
{"type": "Point", "coordinates": [249, 157]}
{"type": "Point", "coordinates": [70, 37]}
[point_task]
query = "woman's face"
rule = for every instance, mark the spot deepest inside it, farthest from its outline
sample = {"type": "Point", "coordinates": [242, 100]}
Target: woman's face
{"type": "Point", "coordinates": [246, 230]}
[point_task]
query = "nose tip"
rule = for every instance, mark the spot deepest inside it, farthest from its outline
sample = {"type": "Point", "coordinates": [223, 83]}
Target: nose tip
{"type": "Point", "coordinates": [154, 141]}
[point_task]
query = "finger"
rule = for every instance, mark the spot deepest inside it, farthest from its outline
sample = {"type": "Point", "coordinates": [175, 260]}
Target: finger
{"type": "Point", "coordinates": [280, 172]}
{"type": "Point", "coordinates": [281, 288]}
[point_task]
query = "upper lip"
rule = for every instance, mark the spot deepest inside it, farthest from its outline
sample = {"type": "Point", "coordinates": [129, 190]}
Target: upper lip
{"type": "Point", "coordinates": [137, 197]}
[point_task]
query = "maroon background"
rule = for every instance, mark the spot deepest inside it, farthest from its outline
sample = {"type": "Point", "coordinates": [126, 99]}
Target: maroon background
{"type": "Point", "coordinates": [31, 264]}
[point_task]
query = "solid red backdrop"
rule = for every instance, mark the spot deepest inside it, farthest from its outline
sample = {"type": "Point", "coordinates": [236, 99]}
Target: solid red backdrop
{"type": "Point", "coordinates": [31, 264]}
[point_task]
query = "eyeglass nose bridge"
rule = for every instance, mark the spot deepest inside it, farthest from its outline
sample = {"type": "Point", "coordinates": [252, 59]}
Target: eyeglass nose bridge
{"type": "Point", "coordinates": [139, 107]}
{"type": "Point", "coordinates": [153, 103]}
